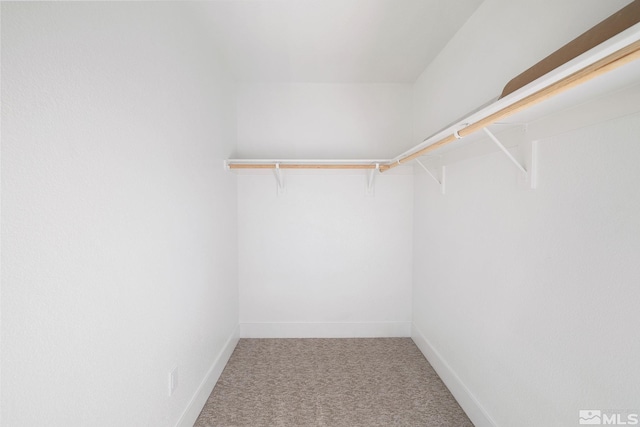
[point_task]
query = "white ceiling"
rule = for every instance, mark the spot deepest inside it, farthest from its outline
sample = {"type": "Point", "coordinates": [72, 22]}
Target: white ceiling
{"type": "Point", "coordinates": [333, 41]}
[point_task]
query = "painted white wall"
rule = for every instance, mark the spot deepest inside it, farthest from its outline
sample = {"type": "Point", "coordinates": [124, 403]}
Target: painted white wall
{"type": "Point", "coordinates": [531, 297]}
{"type": "Point", "coordinates": [119, 256]}
{"type": "Point", "coordinates": [527, 300]}
{"type": "Point", "coordinates": [324, 259]}
{"type": "Point", "coordinates": [323, 120]}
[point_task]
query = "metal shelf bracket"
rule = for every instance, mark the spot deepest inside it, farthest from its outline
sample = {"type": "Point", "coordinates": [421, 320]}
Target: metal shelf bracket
{"type": "Point", "coordinates": [528, 174]}
{"type": "Point", "coordinates": [371, 179]}
{"type": "Point", "coordinates": [441, 181]}
{"type": "Point", "coordinates": [279, 178]}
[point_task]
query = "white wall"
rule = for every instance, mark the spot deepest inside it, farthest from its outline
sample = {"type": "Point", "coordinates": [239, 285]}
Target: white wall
{"type": "Point", "coordinates": [119, 256]}
{"type": "Point", "coordinates": [531, 297]}
{"type": "Point", "coordinates": [324, 259]}
{"type": "Point", "coordinates": [307, 120]}
{"type": "Point", "coordinates": [526, 301]}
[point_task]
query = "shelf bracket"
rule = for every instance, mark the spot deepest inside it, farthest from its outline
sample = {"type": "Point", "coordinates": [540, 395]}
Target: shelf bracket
{"type": "Point", "coordinates": [504, 150]}
{"type": "Point", "coordinates": [371, 179]}
{"type": "Point", "coordinates": [528, 176]}
{"type": "Point", "coordinates": [441, 181]}
{"type": "Point", "coordinates": [279, 178]}
{"type": "Point", "coordinates": [530, 180]}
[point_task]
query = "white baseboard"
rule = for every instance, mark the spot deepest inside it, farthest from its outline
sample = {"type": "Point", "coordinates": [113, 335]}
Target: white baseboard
{"type": "Point", "coordinates": [474, 410]}
{"type": "Point", "coordinates": [190, 414]}
{"type": "Point", "coordinates": [326, 330]}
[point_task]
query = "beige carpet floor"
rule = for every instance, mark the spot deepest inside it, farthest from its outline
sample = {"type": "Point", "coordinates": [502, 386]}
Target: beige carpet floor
{"type": "Point", "coordinates": [330, 382]}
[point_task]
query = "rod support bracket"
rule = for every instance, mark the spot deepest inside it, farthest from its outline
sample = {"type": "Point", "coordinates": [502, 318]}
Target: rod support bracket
{"type": "Point", "coordinates": [443, 174]}
{"type": "Point", "coordinates": [371, 179]}
{"type": "Point", "coordinates": [528, 170]}
{"type": "Point", "coordinates": [504, 150]}
{"type": "Point", "coordinates": [279, 178]}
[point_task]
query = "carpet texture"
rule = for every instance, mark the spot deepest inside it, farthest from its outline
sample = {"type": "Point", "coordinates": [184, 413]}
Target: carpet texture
{"type": "Point", "coordinates": [330, 382]}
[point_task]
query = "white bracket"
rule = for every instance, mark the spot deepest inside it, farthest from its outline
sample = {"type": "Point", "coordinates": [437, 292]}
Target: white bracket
{"type": "Point", "coordinates": [528, 176]}
{"type": "Point", "coordinates": [441, 181]}
{"type": "Point", "coordinates": [279, 178]}
{"type": "Point", "coordinates": [456, 133]}
{"type": "Point", "coordinates": [504, 150]}
{"type": "Point", "coordinates": [371, 179]}
{"type": "Point", "coordinates": [531, 179]}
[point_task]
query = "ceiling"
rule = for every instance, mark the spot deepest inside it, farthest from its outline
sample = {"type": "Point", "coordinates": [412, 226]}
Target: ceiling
{"type": "Point", "coordinates": [332, 41]}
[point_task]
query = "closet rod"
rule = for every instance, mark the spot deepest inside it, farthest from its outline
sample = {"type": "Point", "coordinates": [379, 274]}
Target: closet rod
{"type": "Point", "coordinates": [298, 166]}
{"type": "Point", "coordinates": [617, 59]}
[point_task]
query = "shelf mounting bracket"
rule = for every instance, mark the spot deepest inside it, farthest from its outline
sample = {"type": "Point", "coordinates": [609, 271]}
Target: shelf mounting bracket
{"type": "Point", "coordinates": [371, 179]}
{"type": "Point", "coordinates": [441, 181]}
{"type": "Point", "coordinates": [279, 178]}
{"type": "Point", "coordinates": [504, 150]}
{"type": "Point", "coordinates": [528, 177]}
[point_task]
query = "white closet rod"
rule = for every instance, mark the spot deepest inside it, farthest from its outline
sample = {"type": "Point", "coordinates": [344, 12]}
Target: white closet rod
{"type": "Point", "coordinates": [305, 164]}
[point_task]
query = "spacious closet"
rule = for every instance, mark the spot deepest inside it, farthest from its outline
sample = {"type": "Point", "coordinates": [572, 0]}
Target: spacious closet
{"type": "Point", "coordinates": [177, 176]}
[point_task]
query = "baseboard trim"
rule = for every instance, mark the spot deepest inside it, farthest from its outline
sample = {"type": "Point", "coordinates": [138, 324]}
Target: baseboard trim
{"type": "Point", "coordinates": [190, 414]}
{"type": "Point", "coordinates": [474, 410]}
{"type": "Point", "coordinates": [326, 330]}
